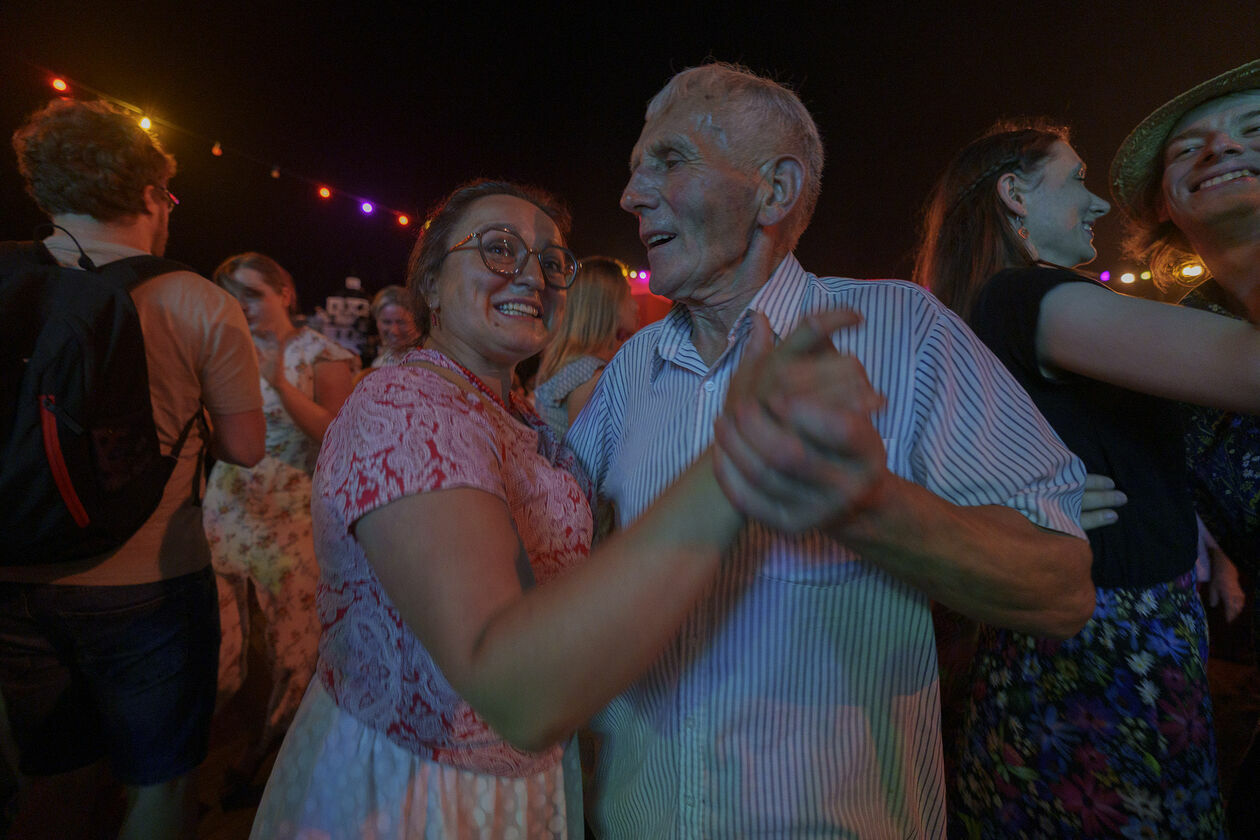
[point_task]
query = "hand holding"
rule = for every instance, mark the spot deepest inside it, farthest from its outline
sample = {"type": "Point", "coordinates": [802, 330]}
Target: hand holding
{"type": "Point", "coordinates": [795, 447]}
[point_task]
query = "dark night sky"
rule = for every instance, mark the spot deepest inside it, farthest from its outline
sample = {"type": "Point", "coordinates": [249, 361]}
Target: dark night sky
{"type": "Point", "coordinates": [401, 101]}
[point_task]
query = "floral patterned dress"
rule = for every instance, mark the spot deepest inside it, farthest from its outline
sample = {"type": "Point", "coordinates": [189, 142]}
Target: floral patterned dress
{"type": "Point", "coordinates": [258, 523]}
{"type": "Point", "coordinates": [1108, 733]}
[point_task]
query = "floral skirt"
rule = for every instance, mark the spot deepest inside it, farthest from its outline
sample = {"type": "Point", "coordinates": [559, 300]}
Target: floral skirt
{"type": "Point", "coordinates": [1106, 734]}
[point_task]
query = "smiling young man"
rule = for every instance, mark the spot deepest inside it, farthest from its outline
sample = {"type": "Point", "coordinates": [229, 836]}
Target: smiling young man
{"type": "Point", "coordinates": [1188, 178]}
{"type": "Point", "coordinates": [800, 697]}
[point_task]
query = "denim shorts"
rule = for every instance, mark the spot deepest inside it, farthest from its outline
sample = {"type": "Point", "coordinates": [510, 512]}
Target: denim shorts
{"type": "Point", "coordinates": [123, 672]}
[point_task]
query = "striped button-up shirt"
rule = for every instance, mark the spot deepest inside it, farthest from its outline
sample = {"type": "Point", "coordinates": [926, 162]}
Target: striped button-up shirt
{"type": "Point", "coordinates": [800, 697]}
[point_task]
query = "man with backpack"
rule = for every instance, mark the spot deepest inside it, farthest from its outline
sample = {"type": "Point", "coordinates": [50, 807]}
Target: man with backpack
{"type": "Point", "coordinates": [108, 612]}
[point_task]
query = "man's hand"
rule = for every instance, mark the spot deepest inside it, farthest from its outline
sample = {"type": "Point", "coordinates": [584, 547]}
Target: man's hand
{"type": "Point", "coordinates": [1098, 502]}
{"type": "Point", "coordinates": [795, 447]}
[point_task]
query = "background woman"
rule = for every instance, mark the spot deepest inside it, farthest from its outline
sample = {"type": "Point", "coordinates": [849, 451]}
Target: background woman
{"type": "Point", "coordinates": [395, 325]}
{"type": "Point", "coordinates": [599, 316]}
{"type": "Point", "coordinates": [1110, 732]}
{"type": "Point", "coordinates": [258, 519]}
{"type": "Point", "coordinates": [454, 666]}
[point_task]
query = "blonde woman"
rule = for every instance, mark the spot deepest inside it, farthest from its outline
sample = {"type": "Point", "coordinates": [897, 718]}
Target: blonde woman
{"type": "Point", "coordinates": [600, 316]}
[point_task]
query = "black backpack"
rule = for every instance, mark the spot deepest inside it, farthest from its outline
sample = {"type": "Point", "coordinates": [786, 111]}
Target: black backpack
{"type": "Point", "coordinates": [80, 465]}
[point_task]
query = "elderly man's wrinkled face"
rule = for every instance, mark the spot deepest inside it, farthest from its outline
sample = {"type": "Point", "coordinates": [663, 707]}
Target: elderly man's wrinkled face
{"type": "Point", "coordinates": [1212, 164]}
{"type": "Point", "coordinates": [696, 207]}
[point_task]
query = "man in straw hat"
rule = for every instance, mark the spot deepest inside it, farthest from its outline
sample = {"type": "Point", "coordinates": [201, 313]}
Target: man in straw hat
{"type": "Point", "coordinates": [1188, 178]}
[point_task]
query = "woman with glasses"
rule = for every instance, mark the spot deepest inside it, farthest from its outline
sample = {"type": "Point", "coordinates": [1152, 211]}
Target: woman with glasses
{"type": "Point", "coordinates": [1108, 733]}
{"type": "Point", "coordinates": [599, 316]}
{"type": "Point", "coordinates": [464, 638]}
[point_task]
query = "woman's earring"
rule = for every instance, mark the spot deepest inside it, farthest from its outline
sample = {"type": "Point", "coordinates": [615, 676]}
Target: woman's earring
{"type": "Point", "coordinates": [435, 321]}
{"type": "Point", "coordinates": [1021, 228]}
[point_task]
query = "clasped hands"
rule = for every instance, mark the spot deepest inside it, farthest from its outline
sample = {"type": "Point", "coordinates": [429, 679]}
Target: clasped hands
{"type": "Point", "coordinates": [796, 447]}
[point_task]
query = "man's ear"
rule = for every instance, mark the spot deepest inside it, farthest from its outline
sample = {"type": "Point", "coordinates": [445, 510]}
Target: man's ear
{"type": "Point", "coordinates": [154, 199]}
{"type": "Point", "coordinates": [784, 183]}
{"type": "Point", "coordinates": [1010, 191]}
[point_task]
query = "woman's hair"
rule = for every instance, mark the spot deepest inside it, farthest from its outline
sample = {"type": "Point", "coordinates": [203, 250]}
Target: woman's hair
{"type": "Point", "coordinates": [389, 296]}
{"type": "Point", "coordinates": [442, 227]}
{"type": "Point", "coordinates": [272, 273]}
{"type": "Point", "coordinates": [89, 158]}
{"type": "Point", "coordinates": [967, 236]}
{"type": "Point", "coordinates": [1163, 248]}
{"type": "Point", "coordinates": [591, 314]}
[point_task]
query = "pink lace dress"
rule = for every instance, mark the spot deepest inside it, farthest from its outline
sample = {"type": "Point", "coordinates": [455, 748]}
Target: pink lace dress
{"type": "Point", "coordinates": [382, 745]}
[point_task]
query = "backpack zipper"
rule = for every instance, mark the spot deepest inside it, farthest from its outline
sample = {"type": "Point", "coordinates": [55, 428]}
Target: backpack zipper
{"type": "Point", "coordinates": [48, 414]}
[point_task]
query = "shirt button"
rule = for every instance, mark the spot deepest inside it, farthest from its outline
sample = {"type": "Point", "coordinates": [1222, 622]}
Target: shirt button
{"type": "Point", "coordinates": [710, 386]}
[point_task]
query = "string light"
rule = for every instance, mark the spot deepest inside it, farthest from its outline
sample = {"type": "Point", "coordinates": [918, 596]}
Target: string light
{"type": "Point", "coordinates": [1128, 277]}
{"type": "Point", "coordinates": [1146, 275]}
{"type": "Point", "coordinates": [1105, 277]}
{"type": "Point", "coordinates": [62, 84]}
{"type": "Point", "coordinates": [1192, 270]}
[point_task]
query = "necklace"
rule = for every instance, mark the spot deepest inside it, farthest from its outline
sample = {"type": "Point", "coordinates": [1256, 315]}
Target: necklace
{"type": "Point", "coordinates": [477, 383]}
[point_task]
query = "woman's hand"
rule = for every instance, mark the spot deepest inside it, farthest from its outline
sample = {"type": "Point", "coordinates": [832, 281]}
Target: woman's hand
{"type": "Point", "coordinates": [795, 446]}
{"type": "Point", "coordinates": [271, 354]}
{"type": "Point", "coordinates": [1098, 502]}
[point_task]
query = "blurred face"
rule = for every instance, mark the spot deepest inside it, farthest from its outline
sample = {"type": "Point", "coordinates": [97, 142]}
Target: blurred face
{"type": "Point", "coordinates": [697, 209]}
{"type": "Point", "coordinates": [1212, 165]}
{"type": "Point", "coordinates": [1061, 211]}
{"type": "Point", "coordinates": [627, 319]}
{"type": "Point", "coordinates": [488, 321]}
{"type": "Point", "coordinates": [266, 310]}
{"type": "Point", "coordinates": [396, 327]}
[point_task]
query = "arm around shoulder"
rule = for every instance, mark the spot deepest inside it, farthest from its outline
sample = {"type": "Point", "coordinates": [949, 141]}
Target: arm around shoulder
{"type": "Point", "coordinates": [1156, 348]}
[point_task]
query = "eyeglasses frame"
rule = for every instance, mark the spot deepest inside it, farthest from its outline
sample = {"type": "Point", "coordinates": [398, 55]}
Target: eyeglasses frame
{"type": "Point", "coordinates": [462, 245]}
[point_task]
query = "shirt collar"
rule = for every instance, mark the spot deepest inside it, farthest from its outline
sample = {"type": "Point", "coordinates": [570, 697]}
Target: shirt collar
{"type": "Point", "coordinates": [779, 299]}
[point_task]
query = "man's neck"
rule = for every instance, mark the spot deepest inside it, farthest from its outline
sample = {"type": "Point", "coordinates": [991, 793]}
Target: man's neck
{"type": "Point", "coordinates": [713, 318]}
{"type": "Point", "coordinates": [1236, 268]}
{"type": "Point", "coordinates": [131, 233]}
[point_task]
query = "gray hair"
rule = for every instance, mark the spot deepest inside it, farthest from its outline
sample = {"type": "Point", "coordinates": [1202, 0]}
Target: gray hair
{"type": "Point", "coordinates": [768, 119]}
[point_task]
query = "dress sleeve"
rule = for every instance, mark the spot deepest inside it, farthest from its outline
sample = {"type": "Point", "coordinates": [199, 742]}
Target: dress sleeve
{"type": "Point", "coordinates": [404, 431]}
{"type": "Point", "coordinates": [1007, 310]}
{"type": "Point", "coordinates": [331, 351]}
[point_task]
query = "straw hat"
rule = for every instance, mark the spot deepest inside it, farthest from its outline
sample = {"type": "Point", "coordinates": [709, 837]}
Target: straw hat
{"type": "Point", "coordinates": [1137, 165]}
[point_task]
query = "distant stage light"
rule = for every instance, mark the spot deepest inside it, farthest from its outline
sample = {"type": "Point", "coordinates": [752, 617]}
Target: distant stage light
{"type": "Point", "coordinates": [366, 207]}
{"type": "Point", "coordinates": [324, 192]}
{"type": "Point", "coordinates": [146, 123]}
{"type": "Point", "coordinates": [217, 149]}
{"type": "Point", "coordinates": [60, 85]}
{"type": "Point", "coordinates": [1128, 277]}
{"type": "Point", "coordinates": [403, 221]}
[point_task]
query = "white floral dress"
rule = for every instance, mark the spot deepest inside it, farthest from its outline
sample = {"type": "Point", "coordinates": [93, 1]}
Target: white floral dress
{"type": "Point", "coordinates": [258, 522]}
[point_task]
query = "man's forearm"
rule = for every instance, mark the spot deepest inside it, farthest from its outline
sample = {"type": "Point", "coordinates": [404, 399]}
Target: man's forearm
{"type": "Point", "coordinates": [989, 562]}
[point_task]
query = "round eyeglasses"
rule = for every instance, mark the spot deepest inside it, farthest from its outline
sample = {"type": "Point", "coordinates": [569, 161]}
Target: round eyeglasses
{"type": "Point", "coordinates": [505, 253]}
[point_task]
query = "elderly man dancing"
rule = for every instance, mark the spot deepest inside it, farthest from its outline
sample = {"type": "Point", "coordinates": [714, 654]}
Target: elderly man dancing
{"type": "Point", "coordinates": [800, 697]}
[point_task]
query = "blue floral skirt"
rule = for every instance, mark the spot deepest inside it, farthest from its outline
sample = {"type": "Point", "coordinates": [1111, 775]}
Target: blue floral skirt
{"type": "Point", "coordinates": [1106, 734]}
